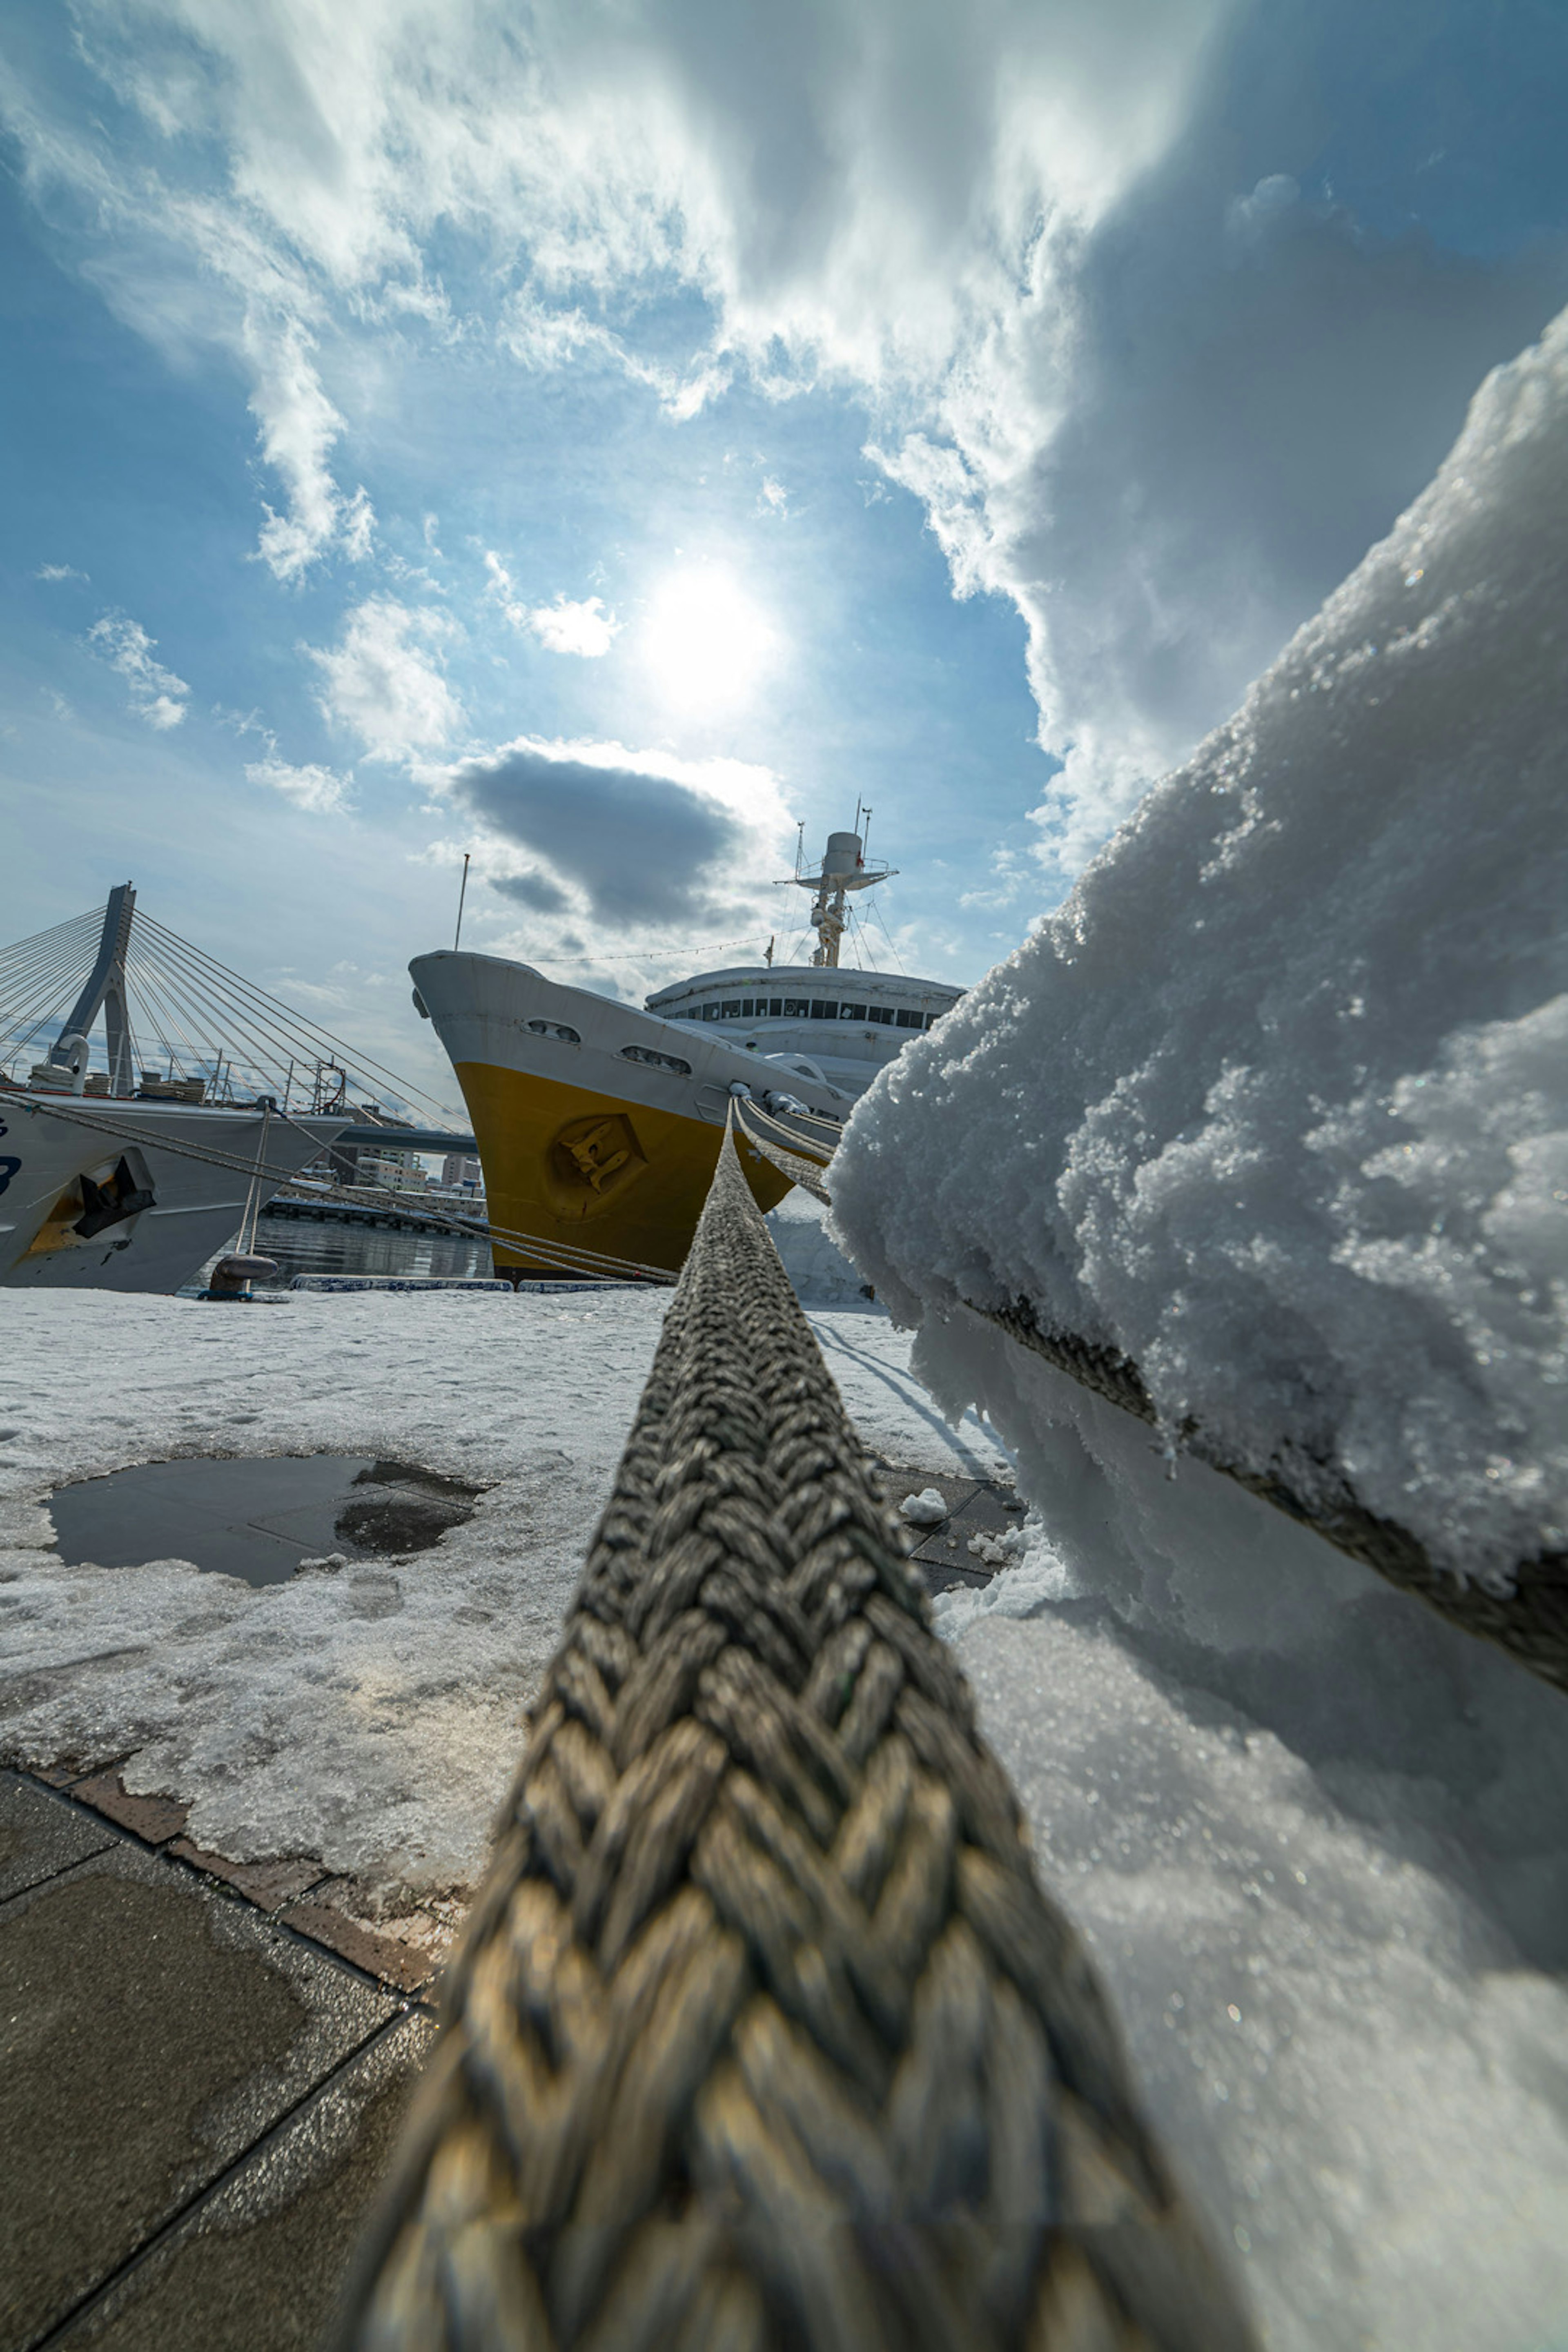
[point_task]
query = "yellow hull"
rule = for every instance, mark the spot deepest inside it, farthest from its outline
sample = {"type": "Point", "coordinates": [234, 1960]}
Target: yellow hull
{"type": "Point", "coordinates": [593, 1172]}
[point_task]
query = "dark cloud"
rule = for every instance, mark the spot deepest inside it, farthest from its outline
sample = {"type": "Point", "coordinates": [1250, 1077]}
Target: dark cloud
{"type": "Point", "coordinates": [535, 890]}
{"type": "Point", "coordinates": [1275, 345]}
{"type": "Point", "coordinates": [640, 845]}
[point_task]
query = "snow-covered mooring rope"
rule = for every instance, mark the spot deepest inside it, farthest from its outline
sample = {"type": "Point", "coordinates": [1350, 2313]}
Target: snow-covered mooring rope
{"type": "Point", "coordinates": [1528, 1616]}
{"type": "Point", "coordinates": [762, 2033]}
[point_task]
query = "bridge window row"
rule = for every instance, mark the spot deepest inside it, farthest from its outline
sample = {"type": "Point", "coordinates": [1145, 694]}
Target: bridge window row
{"type": "Point", "coordinates": [806, 1008]}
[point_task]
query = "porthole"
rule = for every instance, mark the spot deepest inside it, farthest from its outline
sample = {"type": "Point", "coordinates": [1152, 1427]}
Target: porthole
{"type": "Point", "coordinates": [656, 1061]}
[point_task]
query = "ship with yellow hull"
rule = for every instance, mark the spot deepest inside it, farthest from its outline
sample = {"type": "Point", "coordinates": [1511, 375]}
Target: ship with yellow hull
{"type": "Point", "coordinates": [598, 1124]}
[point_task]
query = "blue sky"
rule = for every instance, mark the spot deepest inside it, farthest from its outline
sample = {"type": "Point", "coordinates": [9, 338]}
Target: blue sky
{"type": "Point", "coordinates": [433, 426]}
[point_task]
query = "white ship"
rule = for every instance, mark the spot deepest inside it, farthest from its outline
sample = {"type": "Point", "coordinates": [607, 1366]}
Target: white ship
{"type": "Point", "coordinates": [598, 1126]}
{"type": "Point", "coordinates": [129, 1186]}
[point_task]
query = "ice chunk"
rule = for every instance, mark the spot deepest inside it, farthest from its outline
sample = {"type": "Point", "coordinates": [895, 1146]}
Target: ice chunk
{"type": "Point", "coordinates": [998, 1551]}
{"type": "Point", "coordinates": [926, 1510]}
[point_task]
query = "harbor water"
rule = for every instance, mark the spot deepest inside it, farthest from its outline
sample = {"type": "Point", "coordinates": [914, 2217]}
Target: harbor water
{"type": "Point", "coordinates": [341, 1245]}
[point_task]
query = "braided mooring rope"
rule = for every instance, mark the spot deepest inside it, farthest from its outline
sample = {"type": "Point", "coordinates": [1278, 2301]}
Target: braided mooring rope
{"type": "Point", "coordinates": [806, 1173]}
{"type": "Point", "coordinates": [762, 2033]}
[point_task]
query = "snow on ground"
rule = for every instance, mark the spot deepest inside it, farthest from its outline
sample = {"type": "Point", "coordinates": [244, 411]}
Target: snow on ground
{"type": "Point", "coordinates": [1316, 1838]}
{"type": "Point", "coordinates": [1262, 1782]}
{"type": "Point", "coordinates": [822, 1274]}
{"type": "Point", "coordinates": [1278, 1103]}
{"type": "Point", "coordinates": [370, 1717]}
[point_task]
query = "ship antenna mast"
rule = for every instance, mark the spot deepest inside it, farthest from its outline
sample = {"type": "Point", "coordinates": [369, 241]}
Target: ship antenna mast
{"type": "Point", "coordinates": [458, 935]}
{"type": "Point", "coordinates": [844, 869]}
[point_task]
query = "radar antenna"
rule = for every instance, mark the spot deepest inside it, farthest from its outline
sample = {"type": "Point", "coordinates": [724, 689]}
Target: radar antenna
{"type": "Point", "coordinates": [843, 870]}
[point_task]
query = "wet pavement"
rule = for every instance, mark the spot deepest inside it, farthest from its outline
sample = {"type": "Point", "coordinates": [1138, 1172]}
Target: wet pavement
{"type": "Point", "coordinates": [195, 2101]}
{"type": "Point", "coordinates": [203, 2063]}
{"type": "Point", "coordinates": [976, 1506]}
{"type": "Point", "coordinates": [255, 1518]}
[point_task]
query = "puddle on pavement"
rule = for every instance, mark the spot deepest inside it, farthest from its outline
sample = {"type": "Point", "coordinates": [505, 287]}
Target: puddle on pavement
{"type": "Point", "coordinates": [256, 1520]}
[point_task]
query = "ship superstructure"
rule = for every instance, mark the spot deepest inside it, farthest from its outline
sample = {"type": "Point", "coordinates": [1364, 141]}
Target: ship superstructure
{"type": "Point", "coordinates": [599, 1125]}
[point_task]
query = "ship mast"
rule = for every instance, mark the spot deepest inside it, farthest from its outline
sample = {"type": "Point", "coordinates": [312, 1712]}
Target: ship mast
{"type": "Point", "coordinates": [843, 869]}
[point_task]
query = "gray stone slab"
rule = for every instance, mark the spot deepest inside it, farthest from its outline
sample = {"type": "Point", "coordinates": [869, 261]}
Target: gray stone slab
{"type": "Point", "coordinates": [986, 1512]}
{"type": "Point", "coordinates": [151, 2031]}
{"type": "Point", "coordinates": [39, 1836]}
{"type": "Point", "coordinates": [259, 2266]}
{"type": "Point", "coordinates": [954, 1489]}
{"type": "Point", "coordinates": [941, 1575]}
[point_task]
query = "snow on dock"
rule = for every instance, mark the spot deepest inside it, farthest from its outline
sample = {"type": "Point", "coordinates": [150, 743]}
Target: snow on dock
{"type": "Point", "coordinates": [369, 1716]}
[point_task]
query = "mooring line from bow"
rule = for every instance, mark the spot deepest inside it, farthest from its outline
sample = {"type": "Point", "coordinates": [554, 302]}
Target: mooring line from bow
{"type": "Point", "coordinates": [762, 2033]}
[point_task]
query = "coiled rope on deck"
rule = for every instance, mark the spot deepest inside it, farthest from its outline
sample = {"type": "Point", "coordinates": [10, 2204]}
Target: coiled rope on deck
{"type": "Point", "coordinates": [762, 2033]}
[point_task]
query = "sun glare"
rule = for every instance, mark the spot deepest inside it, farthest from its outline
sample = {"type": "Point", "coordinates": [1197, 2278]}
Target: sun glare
{"type": "Point", "coordinates": [705, 643]}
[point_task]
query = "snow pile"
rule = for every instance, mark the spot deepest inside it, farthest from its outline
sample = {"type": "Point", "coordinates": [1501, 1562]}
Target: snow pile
{"type": "Point", "coordinates": [1276, 1107]}
{"type": "Point", "coordinates": [926, 1510]}
{"type": "Point", "coordinates": [369, 1717]}
{"type": "Point", "coordinates": [1278, 1103]}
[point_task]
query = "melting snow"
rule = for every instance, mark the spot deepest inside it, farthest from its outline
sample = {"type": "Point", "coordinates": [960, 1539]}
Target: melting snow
{"type": "Point", "coordinates": [369, 1715]}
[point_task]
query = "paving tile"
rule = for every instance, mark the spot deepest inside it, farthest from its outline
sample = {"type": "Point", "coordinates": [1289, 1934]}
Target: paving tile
{"type": "Point", "coordinates": [260, 2264]}
{"type": "Point", "coordinates": [268, 1884]}
{"type": "Point", "coordinates": [40, 1837]}
{"type": "Point", "coordinates": [410, 1965]}
{"type": "Point", "coordinates": [156, 1819]}
{"type": "Point", "coordinates": [940, 1576]}
{"type": "Point", "coordinates": [154, 2030]}
{"type": "Point", "coordinates": [985, 1512]}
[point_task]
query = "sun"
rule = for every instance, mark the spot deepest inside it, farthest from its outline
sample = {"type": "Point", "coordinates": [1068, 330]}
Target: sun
{"type": "Point", "coordinates": [705, 643]}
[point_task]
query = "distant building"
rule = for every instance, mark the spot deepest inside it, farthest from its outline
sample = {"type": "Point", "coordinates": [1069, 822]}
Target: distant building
{"type": "Point", "coordinates": [394, 1171]}
{"type": "Point", "coordinates": [457, 1171]}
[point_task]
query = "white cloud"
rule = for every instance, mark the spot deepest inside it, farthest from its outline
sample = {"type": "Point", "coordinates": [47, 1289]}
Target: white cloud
{"type": "Point", "coordinates": [773, 497]}
{"type": "Point", "coordinates": [562, 627]}
{"type": "Point", "coordinates": [851, 205]}
{"type": "Point", "coordinates": [567, 628]}
{"type": "Point", "coordinates": [155, 693]}
{"type": "Point", "coordinates": [316, 789]}
{"type": "Point", "coordinates": [58, 571]}
{"type": "Point", "coordinates": [1143, 387]}
{"type": "Point", "coordinates": [383, 681]}
{"type": "Point", "coordinates": [358, 526]}
{"type": "Point", "coordinates": [503, 589]}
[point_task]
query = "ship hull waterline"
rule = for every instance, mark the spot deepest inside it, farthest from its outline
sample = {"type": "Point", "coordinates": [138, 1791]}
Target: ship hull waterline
{"type": "Point", "coordinates": [583, 1170]}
